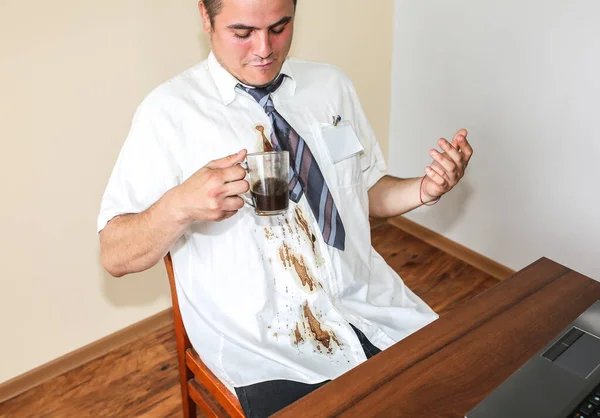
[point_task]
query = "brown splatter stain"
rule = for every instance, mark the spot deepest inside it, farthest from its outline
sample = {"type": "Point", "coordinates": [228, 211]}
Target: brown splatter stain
{"type": "Point", "coordinates": [302, 272]}
{"type": "Point", "coordinates": [298, 336]}
{"type": "Point", "coordinates": [268, 233]}
{"type": "Point", "coordinates": [333, 336]}
{"type": "Point", "coordinates": [321, 336]}
{"type": "Point", "coordinates": [287, 222]}
{"type": "Point", "coordinates": [276, 335]}
{"type": "Point", "coordinates": [301, 221]}
{"type": "Point", "coordinates": [303, 224]}
{"type": "Point", "coordinates": [290, 259]}
{"type": "Point", "coordinates": [284, 255]}
{"type": "Point", "coordinates": [267, 147]}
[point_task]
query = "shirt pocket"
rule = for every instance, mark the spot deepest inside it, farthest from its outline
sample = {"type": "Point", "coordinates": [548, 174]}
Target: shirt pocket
{"type": "Point", "coordinates": [344, 173]}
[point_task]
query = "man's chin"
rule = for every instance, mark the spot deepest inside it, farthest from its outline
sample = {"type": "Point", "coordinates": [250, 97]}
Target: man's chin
{"type": "Point", "coordinates": [260, 78]}
{"type": "Point", "coordinates": [262, 81]}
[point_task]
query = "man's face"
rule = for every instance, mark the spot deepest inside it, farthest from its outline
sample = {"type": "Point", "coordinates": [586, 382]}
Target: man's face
{"type": "Point", "coordinates": [252, 38]}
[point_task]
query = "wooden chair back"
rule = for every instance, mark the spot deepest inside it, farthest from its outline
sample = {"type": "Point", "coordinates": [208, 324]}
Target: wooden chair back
{"type": "Point", "coordinates": [199, 386]}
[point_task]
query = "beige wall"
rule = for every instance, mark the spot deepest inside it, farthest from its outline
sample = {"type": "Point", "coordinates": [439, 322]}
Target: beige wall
{"type": "Point", "coordinates": [71, 75]}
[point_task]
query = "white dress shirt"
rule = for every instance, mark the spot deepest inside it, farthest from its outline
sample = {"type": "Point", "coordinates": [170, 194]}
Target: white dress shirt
{"type": "Point", "coordinates": [265, 298]}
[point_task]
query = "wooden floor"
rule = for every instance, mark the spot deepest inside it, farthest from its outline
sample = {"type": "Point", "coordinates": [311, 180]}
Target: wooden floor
{"type": "Point", "coordinates": [140, 379]}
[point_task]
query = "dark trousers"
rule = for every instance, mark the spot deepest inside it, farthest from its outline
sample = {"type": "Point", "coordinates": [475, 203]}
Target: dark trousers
{"type": "Point", "coordinates": [265, 398]}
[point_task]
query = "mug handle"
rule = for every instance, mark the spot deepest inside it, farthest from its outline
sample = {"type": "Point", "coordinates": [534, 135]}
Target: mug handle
{"type": "Point", "coordinates": [247, 200]}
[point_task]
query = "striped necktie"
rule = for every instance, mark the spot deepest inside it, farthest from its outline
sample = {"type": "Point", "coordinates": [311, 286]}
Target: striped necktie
{"type": "Point", "coordinates": [305, 175]}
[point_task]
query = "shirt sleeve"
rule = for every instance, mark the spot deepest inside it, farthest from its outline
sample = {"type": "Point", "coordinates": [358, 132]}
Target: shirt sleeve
{"type": "Point", "coordinates": [372, 162]}
{"type": "Point", "coordinates": [145, 168]}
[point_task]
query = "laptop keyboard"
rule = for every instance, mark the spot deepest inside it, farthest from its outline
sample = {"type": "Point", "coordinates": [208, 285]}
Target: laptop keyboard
{"type": "Point", "coordinates": [590, 407]}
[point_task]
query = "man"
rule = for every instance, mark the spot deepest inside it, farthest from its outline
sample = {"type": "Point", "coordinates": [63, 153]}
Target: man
{"type": "Point", "coordinates": [275, 306]}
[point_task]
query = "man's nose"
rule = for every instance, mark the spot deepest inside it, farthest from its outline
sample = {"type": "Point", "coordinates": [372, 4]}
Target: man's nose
{"type": "Point", "coordinates": [263, 47]}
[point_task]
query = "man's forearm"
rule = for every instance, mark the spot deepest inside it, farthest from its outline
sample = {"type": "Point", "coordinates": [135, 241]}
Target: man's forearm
{"type": "Point", "coordinates": [135, 242]}
{"type": "Point", "coordinates": [392, 196]}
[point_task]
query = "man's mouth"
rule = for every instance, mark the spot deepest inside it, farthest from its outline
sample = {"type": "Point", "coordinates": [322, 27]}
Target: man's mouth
{"type": "Point", "coordinates": [263, 66]}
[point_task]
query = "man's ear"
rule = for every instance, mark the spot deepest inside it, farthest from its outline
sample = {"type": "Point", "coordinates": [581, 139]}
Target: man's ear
{"type": "Point", "coordinates": [206, 24]}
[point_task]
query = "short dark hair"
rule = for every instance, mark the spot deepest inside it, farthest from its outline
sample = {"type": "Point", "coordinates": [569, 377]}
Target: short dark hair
{"type": "Point", "coordinates": [214, 7]}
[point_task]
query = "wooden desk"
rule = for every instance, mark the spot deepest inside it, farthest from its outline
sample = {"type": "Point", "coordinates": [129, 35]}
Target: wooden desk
{"type": "Point", "coordinates": [448, 367]}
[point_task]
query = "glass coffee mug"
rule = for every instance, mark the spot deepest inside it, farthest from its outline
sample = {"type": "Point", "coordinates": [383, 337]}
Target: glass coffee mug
{"type": "Point", "coordinates": [268, 174]}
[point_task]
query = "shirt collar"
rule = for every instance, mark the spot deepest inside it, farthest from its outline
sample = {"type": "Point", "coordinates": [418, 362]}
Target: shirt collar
{"type": "Point", "coordinates": [226, 83]}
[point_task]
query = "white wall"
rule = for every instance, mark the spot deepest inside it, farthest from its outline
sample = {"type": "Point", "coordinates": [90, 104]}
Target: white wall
{"type": "Point", "coordinates": [524, 77]}
{"type": "Point", "coordinates": [71, 76]}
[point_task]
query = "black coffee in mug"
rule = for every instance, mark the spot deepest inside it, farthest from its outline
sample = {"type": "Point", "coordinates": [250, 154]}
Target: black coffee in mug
{"type": "Point", "coordinates": [270, 195]}
{"type": "Point", "coordinates": [268, 175]}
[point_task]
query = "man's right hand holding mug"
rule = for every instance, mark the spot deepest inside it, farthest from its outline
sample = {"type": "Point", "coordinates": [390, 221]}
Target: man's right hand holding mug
{"type": "Point", "coordinates": [212, 193]}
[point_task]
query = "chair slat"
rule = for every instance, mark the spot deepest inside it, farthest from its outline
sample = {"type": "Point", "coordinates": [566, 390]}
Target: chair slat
{"type": "Point", "coordinates": [199, 386]}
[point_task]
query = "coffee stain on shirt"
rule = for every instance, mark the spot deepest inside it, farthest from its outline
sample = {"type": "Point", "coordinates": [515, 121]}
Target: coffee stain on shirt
{"type": "Point", "coordinates": [287, 223]}
{"type": "Point", "coordinates": [325, 339]}
{"type": "Point", "coordinates": [298, 336]}
{"type": "Point", "coordinates": [296, 263]}
{"type": "Point", "coordinates": [266, 144]}
{"type": "Point", "coordinates": [301, 222]}
{"type": "Point", "coordinates": [268, 233]}
{"type": "Point", "coordinates": [284, 255]}
{"type": "Point", "coordinates": [303, 225]}
{"type": "Point", "coordinates": [302, 273]}
{"type": "Point", "coordinates": [309, 329]}
{"type": "Point", "coordinates": [334, 338]}
{"type": "Point", "coordinates": [315, 326]}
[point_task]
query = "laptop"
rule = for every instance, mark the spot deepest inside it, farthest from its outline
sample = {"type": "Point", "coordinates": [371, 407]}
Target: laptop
{"type": "Point", "coordinates": [561, 380]}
